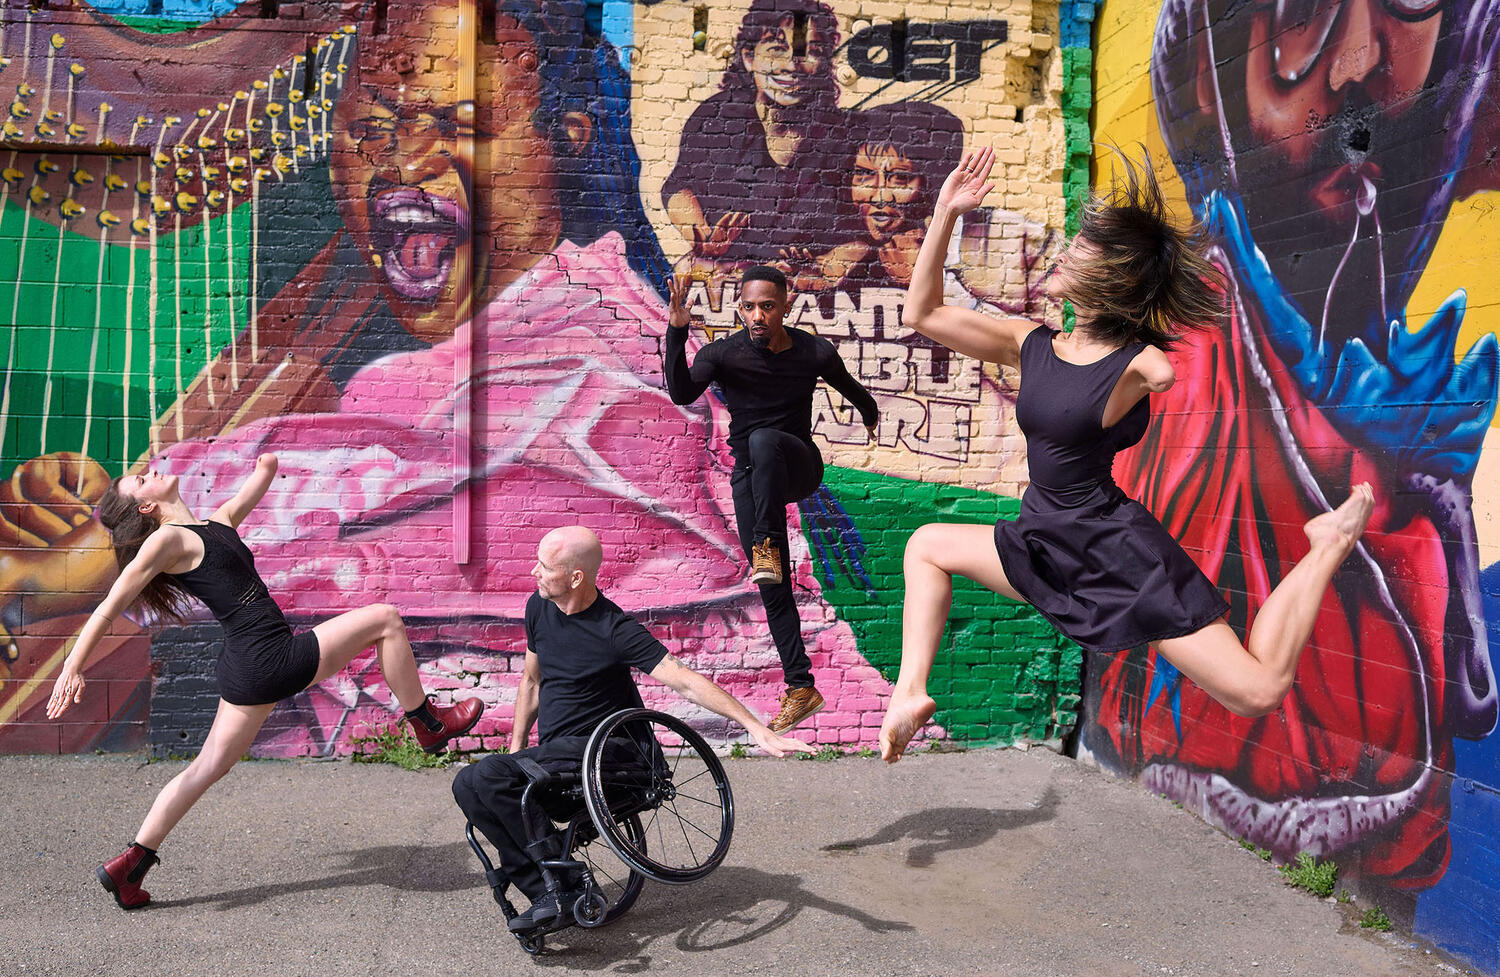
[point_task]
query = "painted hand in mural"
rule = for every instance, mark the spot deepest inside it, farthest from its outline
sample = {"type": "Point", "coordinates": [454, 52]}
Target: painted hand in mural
{"type": "Point", "coordinates": [713, 242]}
{"type": "Point", "coordinates": [57, 558]}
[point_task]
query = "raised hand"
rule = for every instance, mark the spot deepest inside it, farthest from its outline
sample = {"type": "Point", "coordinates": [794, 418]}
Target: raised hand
{"type": "Point", "coordinates": [715, 242]}
{"type": "Point", "coordinates": [677, 289]}
{"type": "Point", "coordinates": [968, 184]}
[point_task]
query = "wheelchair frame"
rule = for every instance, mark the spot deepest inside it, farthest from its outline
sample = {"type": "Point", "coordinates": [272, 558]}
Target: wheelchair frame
{"type": "Point", "coordinates": [612, 805]}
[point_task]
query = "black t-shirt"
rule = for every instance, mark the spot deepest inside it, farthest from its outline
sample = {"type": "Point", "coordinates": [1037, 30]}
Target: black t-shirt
{"type": "Point", "coordinates": [585, 661]}
{"type": "Point", "coordinates": [762, 388]}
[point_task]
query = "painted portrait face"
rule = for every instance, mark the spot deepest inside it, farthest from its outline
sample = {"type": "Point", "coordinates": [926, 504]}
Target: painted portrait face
{"type": "Point", "coordinates": [785, 67]}
{"type": "Point", "coordinates": [1331, 133]}
{"type": "Point", "coordinates": [406, 183]}
{"type": "Point", "coordinates": [884, 186]}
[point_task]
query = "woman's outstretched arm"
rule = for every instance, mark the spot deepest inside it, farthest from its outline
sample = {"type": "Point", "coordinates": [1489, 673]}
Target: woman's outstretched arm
{"type": "Point", "coordinates": [160, 551]}
{"type": "Point", "coordinates": [961, 330]}
{"type": "Point", "coordinates": [236, 509]}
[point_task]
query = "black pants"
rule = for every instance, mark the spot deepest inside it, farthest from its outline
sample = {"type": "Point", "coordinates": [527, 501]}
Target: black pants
{"type": "Point", "coordinates": [489, 793]}
{"type": "Point", "coordinates": [783, 469]}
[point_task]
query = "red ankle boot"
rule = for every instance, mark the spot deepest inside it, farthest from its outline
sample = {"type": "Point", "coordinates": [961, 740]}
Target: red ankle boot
{"type": "Point", "coordinates": [122, 876]}
{"type": "Point", "coordinates": [456, 720]}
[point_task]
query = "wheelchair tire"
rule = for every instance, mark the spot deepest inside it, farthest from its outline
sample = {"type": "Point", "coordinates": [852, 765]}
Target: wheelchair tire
{"type": "Point", "coordinates": [615, 895]}
{"type": "Point", "coordinates": [682, 798]}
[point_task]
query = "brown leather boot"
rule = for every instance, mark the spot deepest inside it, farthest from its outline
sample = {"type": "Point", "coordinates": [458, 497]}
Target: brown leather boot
{"type": "Point", "coordinates": [765, 563]}
{"type": "Point", "coordinates": [797, 705]}
{"type": "Point", "coordinates": [454, 720]}
{"type": "Point", "coordinates": [122, 876]}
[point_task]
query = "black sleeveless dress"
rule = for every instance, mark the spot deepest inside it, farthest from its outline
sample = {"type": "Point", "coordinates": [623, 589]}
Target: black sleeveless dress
{"type": "Point", "coordinates": [262, 660]}
{"type": "Point", "coordinates": [1095, 562]}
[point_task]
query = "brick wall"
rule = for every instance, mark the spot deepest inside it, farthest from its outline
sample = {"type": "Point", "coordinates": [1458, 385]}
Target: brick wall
{"type": "Point", "coordinates": [283, 229]}
{"type": "Point", "coordinates": [1353, 213]}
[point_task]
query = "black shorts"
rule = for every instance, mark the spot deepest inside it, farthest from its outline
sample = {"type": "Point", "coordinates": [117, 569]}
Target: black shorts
{"type": "Point", "coordinates": [268, 669]}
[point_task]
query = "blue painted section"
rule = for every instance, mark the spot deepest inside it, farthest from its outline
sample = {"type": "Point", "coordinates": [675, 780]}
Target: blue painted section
{"type": "Point", "coordinates": [1461, 913]}
{"type": "Point", "coordinates": [1076, 22]}
{"type": "Point", "coordinates": [189, 11]}
{"type": "Point", "coordinates": [619, 27]}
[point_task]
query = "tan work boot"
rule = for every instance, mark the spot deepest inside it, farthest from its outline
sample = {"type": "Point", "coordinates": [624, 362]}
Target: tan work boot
{"type": "Point", "coordinates": [765, 563]}
{"type": "Point", "coordinates": [797, 705]}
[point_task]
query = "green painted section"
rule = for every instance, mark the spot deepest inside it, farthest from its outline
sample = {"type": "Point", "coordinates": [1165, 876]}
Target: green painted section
{"type": "Point", "coordinates": [157, 25]}
{"type": "Point", "coordinates": [76, 337]}
{"type": "Point", "coordinates": [1004, 673]}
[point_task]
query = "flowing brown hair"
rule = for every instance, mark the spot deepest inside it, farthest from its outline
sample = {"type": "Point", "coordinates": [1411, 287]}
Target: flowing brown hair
{"type": "Point", "coordinates": [163, 598]}
{"type": "Point", "coordinates": [1151, 280]}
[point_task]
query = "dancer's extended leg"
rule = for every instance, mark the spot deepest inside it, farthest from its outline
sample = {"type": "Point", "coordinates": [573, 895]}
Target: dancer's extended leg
{"type": "Point", "coordinates": [231, 734]}
{"type": "Point", "coordinates": [1252, 681]}
{"type": "Point", "coordinates": [343, 637]}
{"type": "Point", "coordinates": [933, 555]}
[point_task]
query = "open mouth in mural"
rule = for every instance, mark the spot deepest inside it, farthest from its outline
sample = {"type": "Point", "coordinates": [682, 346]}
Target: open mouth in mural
{"type": "Point", "coordinates": [786, 87]}
{"type": "Point", "coordinates": [884, 220]}
{"type": "Point", "coordinates": [1347, 190]}
{"type": "Point", "coordinates": [415, 233]}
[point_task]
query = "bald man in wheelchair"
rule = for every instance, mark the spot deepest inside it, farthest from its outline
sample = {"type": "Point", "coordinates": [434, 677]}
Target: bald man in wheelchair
{"type": "Point", "coordinates": [580, 650]}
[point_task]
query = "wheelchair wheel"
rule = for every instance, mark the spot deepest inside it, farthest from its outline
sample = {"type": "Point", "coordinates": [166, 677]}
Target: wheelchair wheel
{"type": "Point", "coordinates": [617, 883]}
{"type": "Point", "coordinates": [650, 764]}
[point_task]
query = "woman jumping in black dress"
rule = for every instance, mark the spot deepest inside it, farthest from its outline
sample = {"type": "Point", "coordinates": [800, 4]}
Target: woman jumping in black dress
{"type": "Point", "coordinates": [1094, 562]}
{"type": "Point", "coordinates": [166, 555]}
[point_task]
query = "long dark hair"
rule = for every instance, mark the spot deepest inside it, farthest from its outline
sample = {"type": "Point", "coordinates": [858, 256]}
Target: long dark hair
{"type": "Point", "coordinates": [1151, 280]}
{"type": "Point", "coordinates": [761, 21]}
{"type": "Point", "coordinates": [163, 598]}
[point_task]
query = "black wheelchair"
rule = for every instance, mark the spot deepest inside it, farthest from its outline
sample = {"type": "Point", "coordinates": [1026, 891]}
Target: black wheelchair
{"type": "Point", "coordinates": [651, 801]}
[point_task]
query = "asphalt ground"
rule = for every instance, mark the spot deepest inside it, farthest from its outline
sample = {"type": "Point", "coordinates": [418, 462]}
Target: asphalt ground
{"type": "Point", "coordinates": [992, 862]}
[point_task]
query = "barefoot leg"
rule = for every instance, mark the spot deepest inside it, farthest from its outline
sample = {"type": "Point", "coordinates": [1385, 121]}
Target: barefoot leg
{"type": "Point", "coordinates": [933, 555]}
{"type": "Point", "coordinates": [1252, 679]}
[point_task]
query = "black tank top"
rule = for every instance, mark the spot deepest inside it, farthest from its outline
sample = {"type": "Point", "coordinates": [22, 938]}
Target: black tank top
{"type": "Point", "coordinates": [1061, 412]}
{"type": "Point", "coordinates": [226, 581]}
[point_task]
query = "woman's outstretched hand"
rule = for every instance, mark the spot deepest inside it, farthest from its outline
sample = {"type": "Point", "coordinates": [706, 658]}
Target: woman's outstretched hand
{"type": "Point", "coordinates": [67, 690]}
{"type": "Point", "coordinates": [967, 186]}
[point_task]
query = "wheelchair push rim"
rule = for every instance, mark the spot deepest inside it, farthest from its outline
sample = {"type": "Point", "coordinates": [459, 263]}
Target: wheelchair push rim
{"type": "Point", "coordinates": [680, 793]}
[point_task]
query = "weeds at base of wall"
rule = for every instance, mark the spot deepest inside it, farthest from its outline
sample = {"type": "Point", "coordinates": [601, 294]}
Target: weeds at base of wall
{"type": "Point", "coordinates": [1306, 872]}
{"type": "Point", "coordinates": [1375, 919]}
{"type": "Point", "coordinates": [396, 745]}
{"type": "Point", "coordinates": [1264, 854]}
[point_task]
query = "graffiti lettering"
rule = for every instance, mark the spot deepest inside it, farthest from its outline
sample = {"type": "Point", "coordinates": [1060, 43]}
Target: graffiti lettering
{"type": "Point", "coordinates": [924, 52]}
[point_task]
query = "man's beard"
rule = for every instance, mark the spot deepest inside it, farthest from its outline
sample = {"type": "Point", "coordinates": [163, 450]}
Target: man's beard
{"type": "Point", "coordinates": [1349, 262]}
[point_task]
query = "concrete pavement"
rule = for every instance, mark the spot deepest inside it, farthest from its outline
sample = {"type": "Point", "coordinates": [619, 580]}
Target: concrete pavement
{"type": "Point", "coordinates": [994, 862]}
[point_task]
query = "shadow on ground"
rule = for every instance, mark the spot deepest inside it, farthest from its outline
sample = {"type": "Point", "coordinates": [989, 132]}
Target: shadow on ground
{"type": "Point", "coordinates": [945, 829]}
{"type": "Point", "coordinates": [408, 868]}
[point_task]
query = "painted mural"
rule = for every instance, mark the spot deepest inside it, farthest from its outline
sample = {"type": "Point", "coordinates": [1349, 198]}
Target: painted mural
{"type": "Point", "coordinates": [1330, 149]}
{"type": "Point", "coordinates": [415, 251]}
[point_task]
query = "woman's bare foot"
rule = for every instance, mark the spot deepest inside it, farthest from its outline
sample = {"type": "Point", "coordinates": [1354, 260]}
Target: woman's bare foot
{"type": "Point", "coordinates": [1342, 527]}
{"type": "Point", "coordinates": [903, 717]}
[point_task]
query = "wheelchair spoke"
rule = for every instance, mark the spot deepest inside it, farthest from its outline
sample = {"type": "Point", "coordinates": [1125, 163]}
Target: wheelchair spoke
{"type": "Point", "coordinates": [689, 797]}
{"type": "Point", "coordinates": [685, 838]}
{"type": "Point", "coordinates": [654, 812]}
{"type": "Point", "coordinates": [690, 823]}
{"type": "Point", "coordinates": [701, 773]}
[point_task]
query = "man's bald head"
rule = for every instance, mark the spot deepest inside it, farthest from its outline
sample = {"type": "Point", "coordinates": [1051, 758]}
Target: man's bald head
{"type": "Point", "coordinates": [572, 548]}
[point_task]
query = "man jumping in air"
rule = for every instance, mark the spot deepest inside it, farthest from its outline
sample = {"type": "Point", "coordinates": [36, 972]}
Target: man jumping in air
{"type": "Point", "coordinates": [766, 374]}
